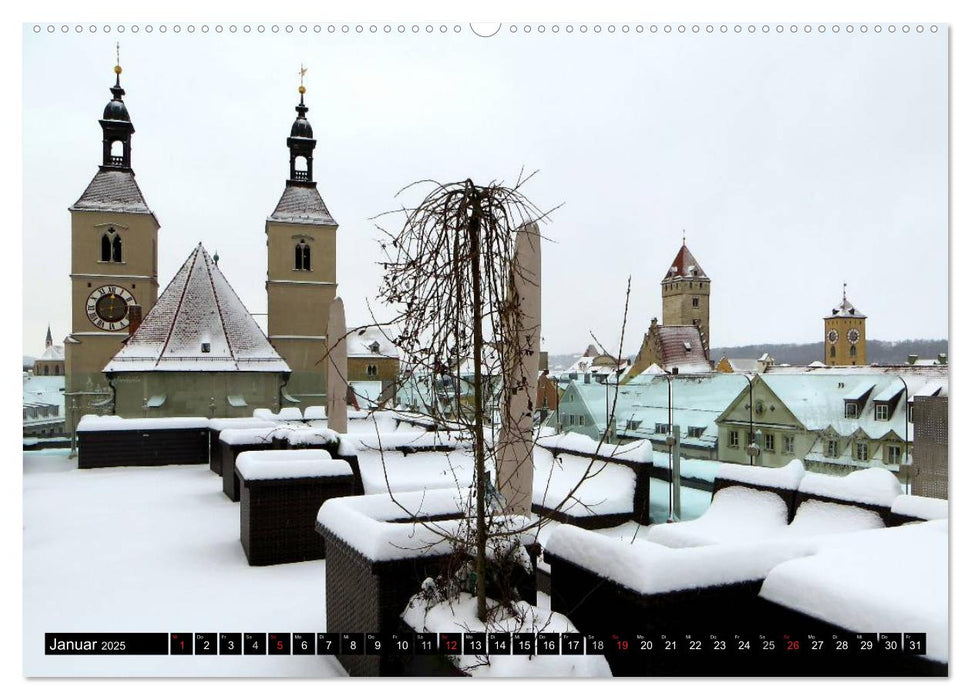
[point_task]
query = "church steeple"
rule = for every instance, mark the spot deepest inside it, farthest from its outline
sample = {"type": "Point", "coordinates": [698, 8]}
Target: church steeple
{"type": "Point", "coordinates": [116, 128]}
{"type": "Point", "coordinates": [301, 143]}
{"type": "Point", "coordinates": [49, 341]}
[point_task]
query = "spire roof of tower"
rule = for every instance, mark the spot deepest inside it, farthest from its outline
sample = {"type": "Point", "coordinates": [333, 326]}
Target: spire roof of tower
{"type": "Point", "coordinates": [846, 309]}
{"type": "Point", "coordinates": [684, 265]}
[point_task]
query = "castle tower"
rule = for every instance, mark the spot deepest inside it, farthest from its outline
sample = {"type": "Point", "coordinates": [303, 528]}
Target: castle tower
{"type": "Point", "coordinates": [301, 277]}
{"type": "Point", "coordinates": [114, 265]}
{"type": "Point", "coordinates": [685, 292]}
{"type": "Point", "coordinates": [844, 339]}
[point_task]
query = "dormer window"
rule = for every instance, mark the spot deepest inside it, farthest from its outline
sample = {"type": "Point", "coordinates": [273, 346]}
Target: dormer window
{"type": "Point", "coordinates": [206, 347]}
{"type": "Point", "coordinates": [851, 409]}
{"type": "Point", "coordinates": [881, 411]}
{"type": "Point", "coordinates": [374, 347]}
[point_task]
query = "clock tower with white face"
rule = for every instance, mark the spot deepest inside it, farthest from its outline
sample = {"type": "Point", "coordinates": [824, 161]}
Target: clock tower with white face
{"type": "Point", "coordinates": [114, 265]}
{"type": "Point", "coordinates": [844, 340]}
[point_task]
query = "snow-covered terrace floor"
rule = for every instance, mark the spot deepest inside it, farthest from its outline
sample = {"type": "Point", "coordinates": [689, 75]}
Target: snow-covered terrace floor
{"type": "Point", "coordinates": [152, 549]}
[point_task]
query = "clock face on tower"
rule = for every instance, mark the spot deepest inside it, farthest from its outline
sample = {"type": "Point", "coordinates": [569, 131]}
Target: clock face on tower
{"type": "Point", "coordinates": [853, 336]}
{"type": "Point", "coordinates": [833, 336]}
{"type": "Point", "coordinates": [107, 307]}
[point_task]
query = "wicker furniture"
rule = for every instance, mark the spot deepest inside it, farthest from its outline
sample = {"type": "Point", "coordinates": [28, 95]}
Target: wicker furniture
{"type": "Point", "coordinates": [217, 425]}
{"type": "Point", "coordinates": [234, 442]}
{"type": "Point", "coordinates": [279, 500]}
{"type": "Point", "coordinates": [110, 441]}
{"type": "Point", "coordinates": [369, 581]}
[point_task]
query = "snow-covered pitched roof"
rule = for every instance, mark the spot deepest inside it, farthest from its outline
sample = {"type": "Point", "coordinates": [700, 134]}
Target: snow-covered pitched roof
{"type": "Point", "coordinates": [739, 364]}
{"type": "Point", "coordinates": [302, 204]}
{"type": "Point", "coordinates": [198, 324]}
{"type": "Point", "coordinates": [370, 342]}
{"type": "Point", "coordinates": [52, 353]}
{"type": "Point", "coordinates": [113, 190]}
{"type": "Point", "coordinates": [684, 265]}
{"type": "Point", "coordinates": [846, 309]}
{"type": "Point", "coordinates": [682, 348]}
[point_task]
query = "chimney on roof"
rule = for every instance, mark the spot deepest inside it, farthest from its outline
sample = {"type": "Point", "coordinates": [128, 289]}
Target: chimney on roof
{"type": "Point", "coordinates": [911, 359]}
{"type": "Point", "coordinates": [134, 318]}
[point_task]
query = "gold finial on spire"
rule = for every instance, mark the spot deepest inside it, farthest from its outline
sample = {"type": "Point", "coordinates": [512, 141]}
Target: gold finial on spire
{"type": "Point", "coordinates": [117, 58]}
{"type": "Point", "coordinates": [303, 71]}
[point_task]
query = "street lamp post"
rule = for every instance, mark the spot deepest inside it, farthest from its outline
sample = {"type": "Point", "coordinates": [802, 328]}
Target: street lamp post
{"type": "Point", "coordinates": [752, 449]}
{"type": "Point", "coordinates": [906, 464]}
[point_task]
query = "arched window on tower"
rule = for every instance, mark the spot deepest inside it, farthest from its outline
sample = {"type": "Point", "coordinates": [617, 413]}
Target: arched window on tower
{"type": "Point", "coordinates": [832, 351]}
{"type": "Point", "coordinates": [852, 351]}
{"type": "Point", "coordinates": [105, 248]}
{"type": "Point", "coordinates": [117, 153]}
{"type": "Point", "coordinates": [116, 249]}
{"type": "Point", "coordinates": [301, 256]}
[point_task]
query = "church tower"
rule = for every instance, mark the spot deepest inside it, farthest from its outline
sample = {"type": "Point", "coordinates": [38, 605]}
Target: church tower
{"type": "Point", "coordinates": [114, 265]}
{"type": "Point", "coordinates": [301, 276]}
{"type": "Point", "coordinates": [685, 292]}
{"type": "Point", "coordinates": [845, 335]}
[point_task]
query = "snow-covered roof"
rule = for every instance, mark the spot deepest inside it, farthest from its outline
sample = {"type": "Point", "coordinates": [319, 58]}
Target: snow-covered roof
{"type": "Point", "coordinates": [198, 324]}
{"type": "Point", "coordinates": [302, 204]}
{"type": "Point", "coordinates": [114, 191]}
{"type": "Point", "coordinates": [45, 391]}
{"type": "Point", "coordinates": [53, 353]}
{"type": "Point", "coordinates": [682, 348]}
{"type": "Point", "coordinates": [684, 265]}
{"type": "Point", "coordinates": [846, 309]}
{"type": "Point", "coordinates": [740, 364]}
{"type": "Point", "coordinates": [369, 341]}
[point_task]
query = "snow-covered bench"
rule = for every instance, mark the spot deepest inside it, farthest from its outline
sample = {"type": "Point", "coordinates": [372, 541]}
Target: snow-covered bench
{"type": "Point", "coordinates": [577, 481]}
{"type": "Point", "coordinates": [281, 492]}
{"type": "Point", "coordinates": [217, 425]}
{"type": "Point", "coordinates": [235, 441]}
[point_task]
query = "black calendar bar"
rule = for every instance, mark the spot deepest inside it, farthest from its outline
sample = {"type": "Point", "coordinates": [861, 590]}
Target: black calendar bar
{"type": "Point", "coordinates": [767, 646]}
{"type": "Point", "coordinates": [89, 644]}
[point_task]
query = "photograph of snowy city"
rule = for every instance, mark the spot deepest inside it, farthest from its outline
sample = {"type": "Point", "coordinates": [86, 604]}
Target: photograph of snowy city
{"type": "Point", "coordinates": [520, 350]}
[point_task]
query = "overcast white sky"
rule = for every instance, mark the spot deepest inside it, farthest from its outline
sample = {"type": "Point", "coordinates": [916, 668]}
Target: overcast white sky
{"type": "Point", "coordinates": [794, 162]}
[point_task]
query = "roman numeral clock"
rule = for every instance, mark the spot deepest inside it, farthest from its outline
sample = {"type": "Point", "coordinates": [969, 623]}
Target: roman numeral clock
{"type": "Point", "coordinates": [107, 307]}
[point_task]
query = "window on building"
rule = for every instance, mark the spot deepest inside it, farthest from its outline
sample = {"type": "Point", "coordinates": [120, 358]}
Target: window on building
{"type": "Point", "coordinates": [852, 351]}
{"type": "Point", "coordinates": [882, 411]}
{"type": "Point", "coordinates": [788, 444]}
{"type": "Point", "coordinates": [580, 420]}
{"type": "Point", "coordinates": [695, 431]}
{"type": "Point", "coordinates": [301, 256]}
{"type": "Point", "coordinates": [105, 248]}
{"type": "Point", "coordinates": [661, 428]}
{"type": "Point", "coordinates": [694, 302]}
{"type": "Point", "coordinates": [633, 424]}
{"type": "Point", "coordinates": [116, 249]}
{"type": "Point", "coordinates": [769, 439]}
{"type": "Point", "coordinates": [892, 454]}
{"type": "Point", "coordinates": [733, 438]}
{"type": "Point", "coordinates": [832, 351]}
{"type": "Point", "coordinates": [832, 448]}
{"type": "Point", "coordinates": [851, 409]}
{"type": "Point", "coordinates": [372, 371]}
{"type": "Point", "coordinates": [910, 413]}
{"type": "Point", "coordinates": [47, 370]}
{"type": "Point", "coordinates": [862, 452]}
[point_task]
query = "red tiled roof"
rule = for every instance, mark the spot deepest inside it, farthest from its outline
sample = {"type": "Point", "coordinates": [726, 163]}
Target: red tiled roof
{"type": "Point", "coordinates": [684, 265]}
{"type": "Point", "coordinates": [681, 345]}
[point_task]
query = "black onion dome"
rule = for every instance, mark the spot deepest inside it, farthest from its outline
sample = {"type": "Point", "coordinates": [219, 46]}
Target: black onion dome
{"type": "Point", "coordinates": [301, 128]}
{"type": "Point", "coordinates": [116, 109]}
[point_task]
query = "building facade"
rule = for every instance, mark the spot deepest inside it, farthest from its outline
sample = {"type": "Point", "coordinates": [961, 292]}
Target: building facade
{"type": "Point", "coordinates": [114, 265]}
{"type": "Point", "coordinates": [301, 273]}
{"type": "Point", "coordinates": [51, 363]}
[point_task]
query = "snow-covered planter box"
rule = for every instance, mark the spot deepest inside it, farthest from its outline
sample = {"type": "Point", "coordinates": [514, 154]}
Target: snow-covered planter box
{"type": "Point", "coordinates": [782, 481]}
{"type": "Point", "coordinates": [378, 555]}
{"type": "Point", "coordinates": [112, 441]}
{"type": "Point", "coordinates": [590, 486]}
{"type": "Point", "coordinates": [280, 495]}
{"type": "Point", "coordinates": [428, 614]}
{"type": "Point", "coordinates": [872, 489]}
{"type": "Point", "coordinates": [888, 580]}
{"type": "Point", "coordinates": [611, 586]}
{"type": "Point", "coordinates": [234, 442]}
{"type": "Point", "coordinates": [911, 509]}
{"type": "Point", "coordinates": [217, 425]}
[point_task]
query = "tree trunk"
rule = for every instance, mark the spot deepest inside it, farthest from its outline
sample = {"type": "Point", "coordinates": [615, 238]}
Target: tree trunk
{"type": "Point", "coordinates": [478, 432]}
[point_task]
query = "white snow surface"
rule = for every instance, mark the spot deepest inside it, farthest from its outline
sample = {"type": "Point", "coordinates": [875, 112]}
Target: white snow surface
{"type": "Point", "coordinates": [874, 486]}
{"type": "Point", "coordinates": [416, 472]}
{"type": "Point", "coordinates": [736, 514]}
{"type": "Point", "coordinates": [290, 413]}
{"type": "Point", "coordinates": [787, 477]}
{"type": "Point", "coordinates": [315, 413]}
{"type": "Point", "coordinates": [306, 436]}
{"type": "Point", "coordinates": [362, 522]}
{"type": "Point", "coordinates": [920, 507]}
{"type": "Point", "coordinates": [581, 486]}
{"type": "Point", "coordinates": [247, 436]}
{"type": "Point", "coordinates": [289, 464]}
{"type": "Point", "coordinates": [460, 616]}
{"type": "Point", "coordinates": [890, 579]}
{"type": "Point", "coordinates": [636, 451]}
{"type": "Point", "coordinates": [92, 422]}
{"type": "Point", "coordinates": [820, 518]}
{"type": "Point", "coordinates": [649, 568]}
{"type": "Point", "coordinates": [237, 423]}
{"type": "Point", "coordinates": [152, 550]}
